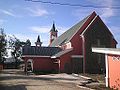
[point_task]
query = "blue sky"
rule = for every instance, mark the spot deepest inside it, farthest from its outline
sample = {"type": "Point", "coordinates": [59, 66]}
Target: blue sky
{"type": "Point", "coordinates": [27, 20]}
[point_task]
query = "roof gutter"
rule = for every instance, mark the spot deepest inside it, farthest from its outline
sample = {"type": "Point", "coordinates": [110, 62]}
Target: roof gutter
{"type": "Point", "coordinates": [106, 50]}
{"type": "Point", "coordinates": [34, 56]}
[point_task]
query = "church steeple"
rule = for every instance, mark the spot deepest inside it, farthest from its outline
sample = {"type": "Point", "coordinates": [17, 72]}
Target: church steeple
{"type": "Point", "coordinates": [38, 42]}
{"type": "Point", "coordinates": [53, 28]}
{"type": "Point", "coordinates": [53, 33]}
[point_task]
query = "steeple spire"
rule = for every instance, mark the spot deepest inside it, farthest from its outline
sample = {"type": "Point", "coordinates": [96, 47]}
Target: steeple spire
{"type": "Point", "coordinates": [53, 33]}
{"type": "Point", "coordinates": [38, 39]}
{"type": "Point", "coordinates": [38, 42]}
{"type": "Point", "coordinates": [53, 28]}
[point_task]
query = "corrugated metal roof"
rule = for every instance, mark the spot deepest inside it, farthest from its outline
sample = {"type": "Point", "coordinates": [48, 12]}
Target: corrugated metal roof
{"type": "Point", "coordinates": [43, 51]}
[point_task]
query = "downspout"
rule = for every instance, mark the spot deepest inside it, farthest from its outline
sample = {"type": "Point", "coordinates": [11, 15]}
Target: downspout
{"type": "Point", "coordinates": [83, 43]}
{"type": "Point", "coordinates": [32, 65]}
{"type": "Point", "coordinates": [83, 51]}
{"type": "Point", "coordinates": [59, 65]}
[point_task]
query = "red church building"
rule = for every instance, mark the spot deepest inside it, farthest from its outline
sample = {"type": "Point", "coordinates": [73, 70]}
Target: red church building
{"type": "Point", "coordinates": [71, 52]}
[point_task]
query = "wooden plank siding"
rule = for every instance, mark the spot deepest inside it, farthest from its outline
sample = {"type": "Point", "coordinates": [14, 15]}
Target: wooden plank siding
{"type": "Point", "coordinates": [97, 36]}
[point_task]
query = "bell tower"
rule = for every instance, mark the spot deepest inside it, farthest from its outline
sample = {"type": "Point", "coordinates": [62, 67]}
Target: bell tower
{"type": "Point", "coordinates": [53, 33]}
{"type": "Point", "coordinates": [38, 42]}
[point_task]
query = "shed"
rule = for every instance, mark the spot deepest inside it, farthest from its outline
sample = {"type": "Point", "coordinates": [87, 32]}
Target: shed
{"type": "Point", "coordinates": [112, 62]}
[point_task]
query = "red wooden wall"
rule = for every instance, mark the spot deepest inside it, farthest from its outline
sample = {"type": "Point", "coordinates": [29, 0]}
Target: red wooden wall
{"type": "Point", "coordinates": [114, 71]}
{"type": "Point", "coordinates": [41, 63]}
{"type": "Point", "coordinates": [65, 61]}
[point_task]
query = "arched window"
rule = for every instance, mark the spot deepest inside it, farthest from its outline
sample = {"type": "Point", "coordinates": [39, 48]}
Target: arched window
{"type": "Point", "coordinates": [29, 65]}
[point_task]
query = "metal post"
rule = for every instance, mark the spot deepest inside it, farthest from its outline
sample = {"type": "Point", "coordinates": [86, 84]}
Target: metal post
{"type": "Point", "coordinates": [107, 70]}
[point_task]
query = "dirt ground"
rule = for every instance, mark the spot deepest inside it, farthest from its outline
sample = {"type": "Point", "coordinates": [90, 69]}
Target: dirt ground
{"type": "Point", "coordinates": [12, 79]}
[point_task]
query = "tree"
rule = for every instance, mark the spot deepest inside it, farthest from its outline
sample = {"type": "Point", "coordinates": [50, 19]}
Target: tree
{"type": "Point", "coordinates": [28, 43]}
{"type": "Point", "coordinates": [3, 44]}
{"type": "Point", "coordinates": [15, 44]}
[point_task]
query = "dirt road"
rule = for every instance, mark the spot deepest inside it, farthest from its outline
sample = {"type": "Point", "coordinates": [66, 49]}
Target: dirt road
{"type": "Point", "coordinates": [17, 80]}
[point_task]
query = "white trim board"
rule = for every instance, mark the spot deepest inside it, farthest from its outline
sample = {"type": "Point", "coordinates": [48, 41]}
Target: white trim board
{"type": "Point", "coordinates": [115, 51]}
{"type": "Point", "coordinates": [77, 56]}
{"type": "Point", "coordinates": [34, 56]}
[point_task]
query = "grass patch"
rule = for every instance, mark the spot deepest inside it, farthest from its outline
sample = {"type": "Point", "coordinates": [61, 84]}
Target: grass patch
{"type": "Point", "coordinates": [99, 87]}
{"type": "Point", "coordinates": [100, 81]}
{"type": "Point", "coordinates": [96, 77]}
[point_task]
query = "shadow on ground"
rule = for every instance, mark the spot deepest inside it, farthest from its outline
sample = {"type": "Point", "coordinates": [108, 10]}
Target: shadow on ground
{"type": "Point", "coordinates": [19, 74]}
{"type": "Point", "coordinates": [32, 77]}
{"type": "Point", "coordinates": [13, 87]}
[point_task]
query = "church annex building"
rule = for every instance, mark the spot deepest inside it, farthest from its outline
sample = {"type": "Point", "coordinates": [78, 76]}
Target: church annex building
{"type": "Point", "coordinates": [71, 52]}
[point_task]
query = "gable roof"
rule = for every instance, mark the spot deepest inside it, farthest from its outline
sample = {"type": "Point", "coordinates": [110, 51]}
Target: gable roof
{"type": "Point", "coordinates": [40, 51]}
{"type": "Point", "coordinates": [62, 53]}
{"type": "Point", "coordinates": [66, 36]}
{"type": "Point", "coordinates": [108, 31]}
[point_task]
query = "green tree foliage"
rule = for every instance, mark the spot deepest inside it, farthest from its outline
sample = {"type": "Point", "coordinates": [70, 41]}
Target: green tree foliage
{"type": "Point", "coordinates": [3, 44]}
{"type": "Point", "coordinates": [28, 43]}
{"type": "Point", "coordinates": [15, 44]}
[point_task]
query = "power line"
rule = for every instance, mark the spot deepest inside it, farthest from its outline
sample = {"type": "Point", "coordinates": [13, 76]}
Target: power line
{"type": "Point", "coordinates": [74, 5]}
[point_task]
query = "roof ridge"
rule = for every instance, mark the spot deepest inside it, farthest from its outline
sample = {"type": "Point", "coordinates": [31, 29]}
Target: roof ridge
{"type": "Point", "coordinates": [67, 35]}
{"type": "Point", "coordinates": [87, 17]}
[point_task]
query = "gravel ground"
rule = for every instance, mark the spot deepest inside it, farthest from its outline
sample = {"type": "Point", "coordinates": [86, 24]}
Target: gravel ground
{"type": "Point", "coordinates": [12, 79]}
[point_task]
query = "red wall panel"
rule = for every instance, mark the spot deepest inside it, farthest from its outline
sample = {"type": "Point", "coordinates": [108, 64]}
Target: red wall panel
{"type": "Point", "coordinates": [77, 44]}
{"type": "Point", "coordinates": [41, 63]}
{"type": "Point", "coordinates": [65, 60]}
{"type": "Point", "coordinates": [114, 71]}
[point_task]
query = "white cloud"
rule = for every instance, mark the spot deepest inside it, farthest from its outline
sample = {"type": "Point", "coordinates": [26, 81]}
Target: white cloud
{"type": "Point", "coordinates": [10, 12]}
{"type": "Point", "coordinates": [46, 29]}
{"type": "Point", "coordinates": [37, 11]}
{"type": "Point", "coordinates": [7, 12]}
{"type": "Point", "coordinates": [80, 13]}
{"type": "Point", "coordinates": [103, 12]}
{"type": "Point", "coordinates": [18, 11]}
{"type": "Point", "coordinates": [24, 37]}
{"type": "Point", "coordinates": [33, 38]}
{"type": "Point", "coordinates": [43, 31]}
{"type": "Point", "coordinates": [38, 29]}
{"type": "Point", "coordinates": [107, 12]}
